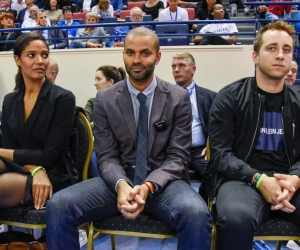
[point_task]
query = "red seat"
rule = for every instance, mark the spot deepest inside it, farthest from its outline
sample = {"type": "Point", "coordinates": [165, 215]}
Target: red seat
{"type": "Point", "coordinates": [191, 13]}
{"type": "Point", "coordinates": [79, 15]}
{"type": "Point", "coordinates": [124, 14]}
{"type": "Point", "coordinates": [135, 4]}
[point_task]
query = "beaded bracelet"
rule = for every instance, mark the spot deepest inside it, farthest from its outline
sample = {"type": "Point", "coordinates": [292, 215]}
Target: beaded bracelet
{"type": "Point", "coordinates": [37, 169]}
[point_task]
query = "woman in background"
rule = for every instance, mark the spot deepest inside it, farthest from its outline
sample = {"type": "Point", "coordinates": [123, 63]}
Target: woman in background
{"type": "Point", "coordinates": [7, 22]}
{"type": "Point", "coordinates": [37, 120]}
{"type": "Point", "coordinates": [153, 7]}
{"type": "Point", "coordinates": [53, 12]}
{"type": "Point", "coordinates": [83, 34]}
{"type": "Point", "coordinates": [105, 77]}
{"type": "Point", "coordinates": [103, 9]}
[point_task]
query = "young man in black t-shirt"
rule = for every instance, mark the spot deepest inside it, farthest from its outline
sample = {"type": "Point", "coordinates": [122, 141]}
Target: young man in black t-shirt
{"type": "Point", "coordinates": [255, 144]}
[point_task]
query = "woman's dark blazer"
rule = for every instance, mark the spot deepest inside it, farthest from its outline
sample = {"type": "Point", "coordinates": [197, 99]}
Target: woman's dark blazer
{"type": "Point", "coordinates": [43, 139]}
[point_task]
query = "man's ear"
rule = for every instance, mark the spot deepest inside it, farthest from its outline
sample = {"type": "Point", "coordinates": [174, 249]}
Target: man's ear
{"type": "Point", "coordinates": [255, 57]}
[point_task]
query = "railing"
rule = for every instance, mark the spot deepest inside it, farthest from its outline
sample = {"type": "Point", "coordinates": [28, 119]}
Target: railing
{"type": "Point", "coordinates": [152, 23]}
{"type": "Point", "coordinates": [256, 23]}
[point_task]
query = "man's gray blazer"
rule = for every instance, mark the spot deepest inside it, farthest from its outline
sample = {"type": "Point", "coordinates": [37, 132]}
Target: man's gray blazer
{"type": "Point", "coordinates": [115, 134]}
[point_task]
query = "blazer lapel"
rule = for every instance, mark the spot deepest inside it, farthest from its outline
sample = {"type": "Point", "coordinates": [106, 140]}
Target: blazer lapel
{"type": "Point", "coordinates": [126, 107]}
{"type": "Point", "coordinates": [37, 106]}
{"type": "Point", "coordinates": [200, 104]}
{"type": "Point", "coordinates": [159, 100]}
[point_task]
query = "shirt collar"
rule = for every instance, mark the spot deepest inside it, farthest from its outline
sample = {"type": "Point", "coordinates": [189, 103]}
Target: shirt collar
{"type": "Point", "coordinates": [68, 23]}
{"type": "Point", "coordinates": [191, 86]}
{"type": "Point", "coordinates": [147, 92]}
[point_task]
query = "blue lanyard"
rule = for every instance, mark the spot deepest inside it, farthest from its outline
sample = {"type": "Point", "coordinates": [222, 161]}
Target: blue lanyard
{"type": "Point", "coordinates": [175, 15]}
{"type": "Point", "coordinates": [191, 90]}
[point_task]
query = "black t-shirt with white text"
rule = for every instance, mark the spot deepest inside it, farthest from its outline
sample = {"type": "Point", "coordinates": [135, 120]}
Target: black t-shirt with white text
{"type": "Point", "coordinates": [269, 153]}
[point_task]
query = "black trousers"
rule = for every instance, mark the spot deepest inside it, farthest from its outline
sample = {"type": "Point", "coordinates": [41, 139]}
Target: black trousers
{"type": "Point", "coordinates": [241, 209]}
{"type": "Point", "coordinates": [214, 40]}
{"type": "Point", "coordinates": [198, 162]}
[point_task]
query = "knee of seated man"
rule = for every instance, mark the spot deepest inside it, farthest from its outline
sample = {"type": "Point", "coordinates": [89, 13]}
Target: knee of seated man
{"type": "Point", "coordinates": [59, 201]}
{"type": "Point", "coordinates": [196, 208]}
{"type": "Point", "coordinates": [236, 214]}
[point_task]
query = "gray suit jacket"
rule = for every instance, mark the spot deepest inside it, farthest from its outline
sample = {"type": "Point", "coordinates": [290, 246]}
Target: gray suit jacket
{"type": "Point", "coordinates": [115, 134]}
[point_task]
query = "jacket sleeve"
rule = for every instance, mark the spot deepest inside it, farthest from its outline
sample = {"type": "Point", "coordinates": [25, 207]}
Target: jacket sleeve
{"type": "Point", "coordinates": [222, 122]}
{"type": "Point", "coordinates": [58, 135]}
{"type": "Point", "coordinates": [89, 109]}
{"type": "Point", "coordinates": [7, 140]}
{"type": "Point", "coordinates": [102, 32]}
{"type": "Point", "coordinates": [79, 5]}
{"type": "Point", "coordinates": [106, 148]}
{"type": "Point", "coordinates": [61, 43]}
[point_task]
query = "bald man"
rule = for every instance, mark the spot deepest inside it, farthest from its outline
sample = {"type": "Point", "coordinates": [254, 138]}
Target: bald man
{"type": "Point", "coordinates": [52, 71]}
{"type": "Point", "coordinates": [291, 76]}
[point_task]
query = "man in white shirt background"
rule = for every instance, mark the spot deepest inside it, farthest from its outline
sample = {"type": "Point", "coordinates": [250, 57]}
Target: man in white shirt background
{"type": "Point", "coordinates": [54, 37]}
{"type": "Point", "coordinates": [32, 21]}
{"type": "Point", "coordinates": [18, 5]}
{"type": "Point", "coordinates": [5, 5]}
{"type": "Point", "coordinates": [173, 13]}
{"type": "Point", "coordinates": [24, 13]}
{"type": "Point", "coordinates": [218, 13]}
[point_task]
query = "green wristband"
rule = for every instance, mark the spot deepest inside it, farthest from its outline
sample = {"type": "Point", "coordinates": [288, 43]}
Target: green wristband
{"type": "Point", "coordinates": [260, 179]}
{"type": "Point", "coordinates": [37, 169]}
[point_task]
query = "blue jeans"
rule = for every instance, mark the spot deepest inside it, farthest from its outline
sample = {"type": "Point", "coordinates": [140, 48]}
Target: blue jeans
{"type": "Point", "coordinates": [270, 15]}
{"type": "Point", "coordinates": [76, 45]}
{"type": "Point", "coordinates": [178, 205]}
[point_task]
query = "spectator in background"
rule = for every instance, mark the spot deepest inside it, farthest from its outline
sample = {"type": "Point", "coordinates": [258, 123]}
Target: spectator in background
{"type": "Point", "coordinates": [136, 15]}
{"type": "Point", "coordinates": [103, 9]}
{"type": "Point", "coordinates": [204, 11]}
{"type": "Point", "coordinates": [85, 5]}
{"type": "Point", "coordinates": [276, 11]}
{"type": "Point", "coordinates": [105, 77]}
{"type": "Point", "coordinates": [18, 5]}
{"type": "Point", "coordinates": [153, 8]}
{"type": "Point", "coordinates": [183, 69]}
{"type": "Point", "coordinates": [218, 13]}
{"type": "Point", "coordinates": [234, 5]}
{"type": "Point", "coordinates": [25, 14]}
{"type": "Point", "coordinates": [7, 22]}
{"type": "Point", "coordinates": [173, 13]}
{"type": "Point", "coordinates": [189, 4]}
{"type": "Point", "coordinates": [33, 20]}
{"type": "Point", "coordinates": [54, 37]}
{"type": "Point", "coordinates": [62, 3]}
{"type": "Point", "coordinates": [84, 33]}
{"type": "Point", "coordinates": [261, 11]}
{"type": "Point", "coordinates": [68, 15]}
{"type": "Point", "coordinates": [5, 5]}
{"type": "Point", "coordinates": [291, 76]}
{"type": "Point", "coordinates": [52, 70]}
{"type": "Point", "coordinates": [53, 13]}
{"type": "Point", "coordinates": [40, 3]}
{"type": "Point", "coordinates": [117, 5]}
